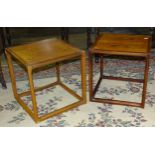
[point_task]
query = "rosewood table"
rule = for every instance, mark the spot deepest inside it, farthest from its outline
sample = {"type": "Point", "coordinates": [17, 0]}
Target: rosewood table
{"type": "Point", "coordinates": [131, 46]}
{"type": "Point", "coordinates": [37, 55]}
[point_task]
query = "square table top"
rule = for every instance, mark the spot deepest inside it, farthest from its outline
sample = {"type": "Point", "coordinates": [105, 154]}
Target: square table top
{"type": "Point", "coordinates": [43, 52]}
{"type": "Point", "coordinates": [125, 44]}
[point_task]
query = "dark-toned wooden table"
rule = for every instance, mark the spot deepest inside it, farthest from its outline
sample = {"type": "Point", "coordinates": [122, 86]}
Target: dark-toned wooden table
{"type": "Point", "coordinates": [39, 54]}
{"type": "Point", "coordinates": [134, 46]}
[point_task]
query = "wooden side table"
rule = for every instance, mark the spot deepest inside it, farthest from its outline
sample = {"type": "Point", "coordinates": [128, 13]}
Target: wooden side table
{"type": "Point", "coordinates": [39, 54]}
{"type": "Point", "coordinates": [123, 45]}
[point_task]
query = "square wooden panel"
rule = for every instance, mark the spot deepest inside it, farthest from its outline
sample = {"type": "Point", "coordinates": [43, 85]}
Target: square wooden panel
{"type": "Point", "coordinates": [125, 44]}
{"type": "Point", "coordinates": [43, 52]}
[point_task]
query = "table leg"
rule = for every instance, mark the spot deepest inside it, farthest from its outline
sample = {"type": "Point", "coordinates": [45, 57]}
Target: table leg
{"type": "Point", "coordinates": [58, 72]}
{"type": "Point", "coordinates": [88, 37]}
{"type": "Point", "coordinates": [2, 80]}
{"type": "Point", "coordinates": [101, 66]}
{"type": "Point", "coordinates": [35, 109]}
{"type": "Point", "coordinates": [146, 72]}
{"type": "Point", "coordinates": [90, 75]}
{"type": "Point", "coordinates": [12, 75]}
{"type": "Point", "coordinates": [65, 34]}
{"type": "Point", "coordinates": [83, 75]}
{"type": "Point", "coordinates": [8, 36]}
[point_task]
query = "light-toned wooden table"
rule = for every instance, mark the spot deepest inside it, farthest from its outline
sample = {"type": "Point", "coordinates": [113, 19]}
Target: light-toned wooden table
{"type": "Point", "coordinates": [39, 54]}
{"type": "Point", "coordinates": [124, 45]}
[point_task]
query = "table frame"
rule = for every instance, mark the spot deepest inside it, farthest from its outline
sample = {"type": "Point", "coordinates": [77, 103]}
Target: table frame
{"type": "Point", "coordinates": [93, 90]}
{"type": "Point", "coordinates": [101, 53]}
{"type": "Point", "coordinates": [34, 113]}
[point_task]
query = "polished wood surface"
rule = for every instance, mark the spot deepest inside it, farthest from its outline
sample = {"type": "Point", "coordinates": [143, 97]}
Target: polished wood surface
{"type": "Point", "coordinates": [133, 46]}
{"type": "Point", "coordinates": [45, 51]}
{"type": "Point", "coordinates": [37, 55]}
{"type": "Point", "coordinates": [125, 43]}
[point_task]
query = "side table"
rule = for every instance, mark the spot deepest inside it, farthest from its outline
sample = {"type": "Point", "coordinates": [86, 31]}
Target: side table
{"type": "Point", "coordinates": [39, 54]}
{"type": "Point", "coordinates": [133, 46]}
